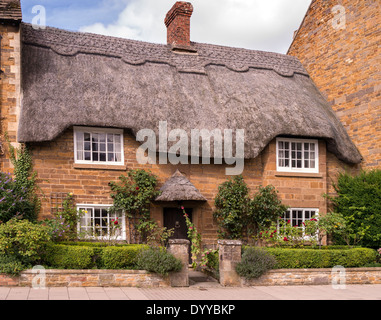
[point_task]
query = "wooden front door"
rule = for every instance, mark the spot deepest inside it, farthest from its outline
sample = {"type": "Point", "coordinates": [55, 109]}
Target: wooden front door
{"type": "Point", "coordinates": [174, 219]}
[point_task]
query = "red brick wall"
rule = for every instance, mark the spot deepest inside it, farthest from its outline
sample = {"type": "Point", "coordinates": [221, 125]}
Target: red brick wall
{"type": "Point", "coordinates": [344, 61]}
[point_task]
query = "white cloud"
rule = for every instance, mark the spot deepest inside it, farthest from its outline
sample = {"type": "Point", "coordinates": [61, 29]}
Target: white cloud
{"type": "Point", "coordinates": [257, 24]}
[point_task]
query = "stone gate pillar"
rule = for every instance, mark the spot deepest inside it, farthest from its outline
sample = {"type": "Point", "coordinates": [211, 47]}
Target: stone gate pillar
{"type": "Point", "coordinates": [180, 249]}
{"type": "Point", "coordinates": [229, 256]}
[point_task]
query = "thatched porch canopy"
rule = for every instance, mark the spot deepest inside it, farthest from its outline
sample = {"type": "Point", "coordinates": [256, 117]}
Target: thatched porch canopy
{"type": "Point", "coordinates": [179, 188]}
{"type": "Point", "coordinates": [73, 78]}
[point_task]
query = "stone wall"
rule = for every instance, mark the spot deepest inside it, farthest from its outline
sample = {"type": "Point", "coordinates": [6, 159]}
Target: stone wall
{"type": "Point", "coordinates": [87, 278]}
{"type": "Point", "coordinates": [57, 173]}
{"type": "Point", "coordinates": [10, 101]}
{"type": "Point", "coordinates": [339, 45]}
{"type": "Point", "coordinates": [288, 277]}
{"type": "Point", "coordinates": [143, 279]}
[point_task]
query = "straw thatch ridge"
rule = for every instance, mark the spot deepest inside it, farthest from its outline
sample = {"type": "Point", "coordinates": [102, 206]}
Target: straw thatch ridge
{"type": "Point", "coordinates": [179, 188]}
{"type": "Point", "coordinates": [72, 78]}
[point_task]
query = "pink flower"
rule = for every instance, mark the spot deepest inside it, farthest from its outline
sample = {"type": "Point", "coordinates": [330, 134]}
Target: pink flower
{"type": "Point", "coordinates": [182, 208]}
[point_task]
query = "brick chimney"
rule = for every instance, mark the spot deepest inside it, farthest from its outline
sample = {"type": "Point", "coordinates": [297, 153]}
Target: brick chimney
{"type": "Point", "coordinates": [177, 22]}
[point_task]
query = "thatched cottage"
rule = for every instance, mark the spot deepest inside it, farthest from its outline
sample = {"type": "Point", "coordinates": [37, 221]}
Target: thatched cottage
{"type": "Point", "coordinates": [79, 100]}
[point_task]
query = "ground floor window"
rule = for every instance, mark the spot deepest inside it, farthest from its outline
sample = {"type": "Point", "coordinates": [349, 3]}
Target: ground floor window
{"type": "Point", "coordinates": [296, 217]}
{"type": "Point", "coordinates": [97, 222]}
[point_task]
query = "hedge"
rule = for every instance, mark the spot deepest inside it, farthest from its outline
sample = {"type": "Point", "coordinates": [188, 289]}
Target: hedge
{"type": "Point", "coordinates": [120, 257]}
{"type": "Point", "coordinates": [91, 256]}
{"type": "Point", "coordinates": [314, 258]}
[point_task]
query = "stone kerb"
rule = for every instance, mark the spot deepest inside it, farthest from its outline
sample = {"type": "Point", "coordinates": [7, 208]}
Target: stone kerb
{"type": "Point", "coordinates": [180, 249]}
{"type": "Point", "coordinates": [229, 256]}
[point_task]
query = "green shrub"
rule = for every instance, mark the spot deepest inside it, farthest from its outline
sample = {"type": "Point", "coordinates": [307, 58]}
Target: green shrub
{"type": "Point", "coordinates": [69, 257]}
{"type": "Point", "coordinates": [314, 258]}
{"type": "Point", "coordinates": [359, 201]}
{"type": "Point", "coordinates": [11, 266]}
{"type": "Point", "coordinates": [23, 240]}
{"type": "Point", "coordinates": [123, 257]}
{"type": "Point", "coordinates": [255, 262]}
{"type": "Point", "coordinates": [232, 203]}
{"type": "Point", "coordinates": [158, 260]}
{"type": "Point", "coordinates": [237, 214]}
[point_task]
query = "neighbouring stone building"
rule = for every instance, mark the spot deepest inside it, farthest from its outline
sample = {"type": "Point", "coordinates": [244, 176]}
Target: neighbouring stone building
{"type": "Point", "coordinates": [79, 100]}
{"type": "Point", "coordinates": [339, 44]}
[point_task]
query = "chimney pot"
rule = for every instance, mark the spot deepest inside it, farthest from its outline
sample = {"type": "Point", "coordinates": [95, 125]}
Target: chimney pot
{"type": "Point", "coordinates": [177, 22]}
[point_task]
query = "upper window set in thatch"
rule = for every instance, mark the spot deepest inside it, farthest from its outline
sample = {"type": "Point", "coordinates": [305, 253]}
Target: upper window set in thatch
{"type": "Point", "coordinates": [98, 146]}
{"type": "Point", "coordinates": [297, 155]}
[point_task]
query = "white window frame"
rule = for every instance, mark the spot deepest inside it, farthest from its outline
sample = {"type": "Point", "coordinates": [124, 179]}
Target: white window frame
{"type": "Point", "coordinates": [94, 130]}
{"type": "Point", "coordinates": [93, 207]}
{"type": "Point", "coordinates": [301, 226]}
{"type": "Point", "coordinates": [302, 169]}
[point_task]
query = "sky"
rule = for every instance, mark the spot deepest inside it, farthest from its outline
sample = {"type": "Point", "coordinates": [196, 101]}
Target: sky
{"type": "Point", "coordinates": [266, 25]}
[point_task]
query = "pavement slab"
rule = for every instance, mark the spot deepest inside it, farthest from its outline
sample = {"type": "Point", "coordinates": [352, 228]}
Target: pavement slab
{"type": "Point", "coordinates": [324, 292]}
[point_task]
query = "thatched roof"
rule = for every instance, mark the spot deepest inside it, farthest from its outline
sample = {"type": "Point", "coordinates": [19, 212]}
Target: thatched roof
{"type": "Point", "coordinates": [10, 10]}
{"type": "Point", "coordinates": [179, 188]}
{"type": "Point", "coordinates": [72, 78]}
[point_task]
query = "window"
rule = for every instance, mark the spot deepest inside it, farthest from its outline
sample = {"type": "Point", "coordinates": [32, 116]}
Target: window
{"type": "Point", "coordinates": [98, 223]}
{"type": "Point", "coordinates": [297, 217]}
{"type": "Point", "coordinates": [295, 155]}
{"type": "Point", "coordinates": [98, 146]}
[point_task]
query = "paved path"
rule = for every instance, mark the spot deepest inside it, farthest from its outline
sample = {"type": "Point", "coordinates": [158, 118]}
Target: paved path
{"type": "Point", "coordinates": [196, 292]}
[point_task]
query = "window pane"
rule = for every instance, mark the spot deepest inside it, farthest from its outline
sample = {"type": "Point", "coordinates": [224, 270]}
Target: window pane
{"type": "Point", "coordinates": [79, 155]}
{"type": "Point", "coordinates": [118, 147]}
{"type": "Point", "coordinates": [79, 141]}
{"type": "Point", "coordinates": [102, 157]}
{"type": "Point", "coordinates": [102, 137]}
{"type": "Point", "coordinates": [95, 156]}
{"type": "Point", "coordinates": [102, 147]}
{"type": "Point", "coordinates": [117, 138]}
{"type": "Point", "coordinates": [87, 156]}
{"type": "Point", "coordinates": [87, 136]}
{"type": "Point", "coordinates": [110, 157]}
{"type": "Point", "coordinates": [110, 138]}
{"type": "Point", "coordinates": [87, 146]}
